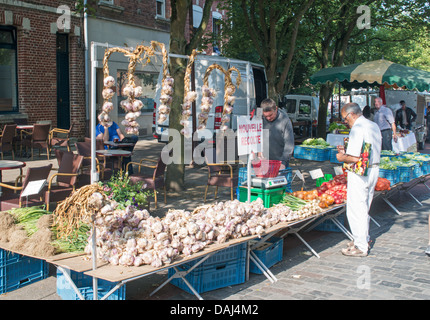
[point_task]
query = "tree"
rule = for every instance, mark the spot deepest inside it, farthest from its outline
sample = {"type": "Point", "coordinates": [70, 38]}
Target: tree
{"type": "Point", "coordinates": [270, 28]}
{"type": "Point", "coordinates": [175, 177]}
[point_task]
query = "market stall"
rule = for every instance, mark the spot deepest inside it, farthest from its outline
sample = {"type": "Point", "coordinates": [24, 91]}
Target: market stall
{"type": "Point", "coordinates": [406, 142]}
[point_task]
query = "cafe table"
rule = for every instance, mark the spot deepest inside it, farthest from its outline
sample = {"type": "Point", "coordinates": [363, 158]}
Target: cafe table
{"type": "Point", "coordinates": [10, 165]}
{"type": "Point", "coordinates": [115, 153]}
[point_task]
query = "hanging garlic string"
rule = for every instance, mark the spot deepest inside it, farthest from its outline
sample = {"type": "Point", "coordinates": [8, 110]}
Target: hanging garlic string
{"type": "Point", "coordinates": [229, 90]}
{"type": "Point", "coordinates": [166, 95]}
{"type": "Point", "coordinates": [189, 97]}
{"type": "Point", "coordinates": [131, 105]}
{"type": "Point", "coordinates": [208, 95]}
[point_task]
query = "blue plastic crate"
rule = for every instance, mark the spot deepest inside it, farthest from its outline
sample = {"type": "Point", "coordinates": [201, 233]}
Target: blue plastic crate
{"type": "Point", "coordinates": [318, 154]}
{"type": "Point", "coordinates": [237, 252]}
{"type": "Point", "coordinates": [406, 174]}
{"type": "Point", "coordinates": [332, 155]}
{"type": "Point", "coordinates": [301, 152]}
{"type": "Point", "coordinates": [17, 271]}
{"type": "Point", "coordinates": [215, 276]}
{"type": "Point", "coordinates": [417, 171]}
{"type": "Point", "coordinates": [426, 167]}
{"type": "Point", "coordinates": [269, 255]}
{"type": "Point", "coordinates": [329, 226]}
{"type": "Point", "coordinates": [390, 174]}
{"type": "Point", "coordinates": [84, 283]}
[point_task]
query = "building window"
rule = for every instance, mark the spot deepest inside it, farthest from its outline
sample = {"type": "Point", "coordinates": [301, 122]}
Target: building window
{"type": "Point", "coordinates": [148, 82]}
{"type": "Point", "coordinates": [8, 70]}
{"type": "Point", "coordinates": [216, 27]}
{"type": "Point", "coordinates": [161, 8]}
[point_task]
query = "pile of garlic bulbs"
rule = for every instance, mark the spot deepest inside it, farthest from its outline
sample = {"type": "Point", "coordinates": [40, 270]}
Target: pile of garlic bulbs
{"type": "Point", "coordinates": [132, 107]}
{"type": "Point", "coordinates": [166, 98]}
{"type": "Point", "coordinates": [132, 237]}
{"type": "Point", "coordinates": [208, 95]}
{"type": "Point", "coordinates": [107, 93]}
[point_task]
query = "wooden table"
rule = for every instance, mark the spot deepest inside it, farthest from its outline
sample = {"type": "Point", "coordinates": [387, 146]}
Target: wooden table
{"type": "Point", "coordinates": [114, 153]}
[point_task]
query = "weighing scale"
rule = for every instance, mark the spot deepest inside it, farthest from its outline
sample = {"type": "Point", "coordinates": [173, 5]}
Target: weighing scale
{"type": "Point", "coordinates": [268, 183]}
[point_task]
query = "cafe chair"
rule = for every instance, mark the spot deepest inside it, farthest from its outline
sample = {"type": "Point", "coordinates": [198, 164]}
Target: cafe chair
{"type": "Point", "coordinates": [7, 140]}
{"type": "Point", "coordinates": [84, 149]}
{"type": "Point", "coordinates": [60, 138]}
{"type": "Point", "coordinates": [39, 139]}
{"type": "Point", "coordinates": [10, 200]}
{"type": "Point", "coordinates": [153, 181]}
{"type": "Point", "coordinates": [65, 178]}
{"type": "Point", "coordinates": [221, 174]}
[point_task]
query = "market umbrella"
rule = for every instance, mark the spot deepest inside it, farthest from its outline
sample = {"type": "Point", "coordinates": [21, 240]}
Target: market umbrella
{"type": "Point", "coordinates": [372, 73]}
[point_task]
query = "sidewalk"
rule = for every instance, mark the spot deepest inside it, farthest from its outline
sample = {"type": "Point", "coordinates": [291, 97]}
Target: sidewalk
{"type": "Point", "coordinates": [396, 267]}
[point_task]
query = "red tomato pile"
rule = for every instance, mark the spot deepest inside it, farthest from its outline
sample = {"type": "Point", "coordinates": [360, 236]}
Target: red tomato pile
{"type": "Point", "coordinates": [335, 188]}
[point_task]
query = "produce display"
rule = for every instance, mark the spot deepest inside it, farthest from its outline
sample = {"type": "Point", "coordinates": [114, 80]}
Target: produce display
{"type": "Point", "coordinates": [383, 184]}
{"type": "Point", "coordinates": [336, 126]}
{"type": "Point", "coordinates": [315, 143]}
{"type": "Point", "coordinates": [134, 237]}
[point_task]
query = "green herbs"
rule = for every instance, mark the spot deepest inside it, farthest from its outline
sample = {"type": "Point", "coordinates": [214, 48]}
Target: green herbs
{"type": "Point", "coordinates": [125, 192]}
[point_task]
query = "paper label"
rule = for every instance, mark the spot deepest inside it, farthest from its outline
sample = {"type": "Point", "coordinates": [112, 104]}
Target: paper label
{"type": "Point", "coordinates": [317, 173]}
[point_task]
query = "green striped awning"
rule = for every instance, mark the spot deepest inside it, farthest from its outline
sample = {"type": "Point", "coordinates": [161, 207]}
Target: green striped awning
{"type": "Point", "coordinates": [378, 72]}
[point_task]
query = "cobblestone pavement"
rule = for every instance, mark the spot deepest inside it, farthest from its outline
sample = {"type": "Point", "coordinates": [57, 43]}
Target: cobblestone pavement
{"type": "Point", "coordinates": [395, 269]}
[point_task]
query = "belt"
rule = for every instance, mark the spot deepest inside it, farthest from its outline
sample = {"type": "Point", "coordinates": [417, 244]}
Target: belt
{"type": "Point", "coordinates": [374, 165]}
{"type": "Point", "coordinates": [385, 130]}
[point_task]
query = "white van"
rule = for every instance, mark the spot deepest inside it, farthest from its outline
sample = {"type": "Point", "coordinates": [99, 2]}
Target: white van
{"type": "Point", "coordinates": [251, 91]}
{"type": "Point", "coordinates": [303, 112]}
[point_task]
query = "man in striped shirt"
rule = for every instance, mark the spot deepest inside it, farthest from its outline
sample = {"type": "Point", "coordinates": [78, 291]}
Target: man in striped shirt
{"type": "Point", "coordinates": [385, 120]}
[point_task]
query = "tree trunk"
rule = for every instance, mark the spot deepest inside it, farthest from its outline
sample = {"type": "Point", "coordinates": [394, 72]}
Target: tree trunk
{"type": "Point", "coordinates": [325, 94]}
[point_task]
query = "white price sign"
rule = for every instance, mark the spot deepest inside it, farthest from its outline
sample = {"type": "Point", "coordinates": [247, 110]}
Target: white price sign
{"type": "Point", "coordinates": [317, 173]}
{"type": "Point", "coordinates": [249, 135]}
{"type": "Point", "coordinates": [338, 170]}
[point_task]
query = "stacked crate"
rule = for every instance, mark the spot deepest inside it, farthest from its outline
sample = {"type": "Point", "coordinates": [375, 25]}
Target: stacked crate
{"type": "Point", "coordinates": [225, 268]}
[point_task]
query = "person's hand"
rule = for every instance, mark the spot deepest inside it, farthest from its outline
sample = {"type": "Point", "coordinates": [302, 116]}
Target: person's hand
{"type": "Point", "coordinates": [395, 137]}
{"type": "Point", "coordinates": [340, 149]}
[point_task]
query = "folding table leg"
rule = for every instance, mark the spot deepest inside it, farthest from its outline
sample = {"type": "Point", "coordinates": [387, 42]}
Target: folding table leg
{"type": "Point", "coordinates": [414, 198]}
{"type": "Point", "coordinates": [392, 207]}
{"type": "Point", "coordinates": [70, 281]}
{"type": "Point", "coordinates": [269, 275]}
{"type": "Point", "coordinates": [182, 274]}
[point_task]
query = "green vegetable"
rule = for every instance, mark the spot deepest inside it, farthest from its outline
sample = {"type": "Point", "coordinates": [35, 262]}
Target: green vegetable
{"type": "Point", "coordinates": [315, 142]}
{"type": "Point", "coordinates": [27, 217]}
{"type": "Point", "coordinates": [293, 202]}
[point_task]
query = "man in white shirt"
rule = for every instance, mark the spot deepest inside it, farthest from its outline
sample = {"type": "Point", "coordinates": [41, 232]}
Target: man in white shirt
{"type": "Point", "coordinates": [360, 188]}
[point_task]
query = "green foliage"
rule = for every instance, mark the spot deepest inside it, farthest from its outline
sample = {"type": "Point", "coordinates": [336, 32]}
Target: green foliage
{"type": "Point", "coordinates": [126, 193]}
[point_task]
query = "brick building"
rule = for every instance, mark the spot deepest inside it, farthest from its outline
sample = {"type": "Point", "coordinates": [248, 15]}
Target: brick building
{"type": "Point", "coordinates": [45, 57]}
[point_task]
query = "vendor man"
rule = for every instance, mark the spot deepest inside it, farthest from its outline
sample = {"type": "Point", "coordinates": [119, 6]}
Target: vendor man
{"type": "Point", "coordinates": [385, 120]}
{"type": "Point", "coordinates": [280, 138]}
{"type": "Point", "coordinates": [360, 187]}
{"type": "Point", "coordinates": [405, 116]}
